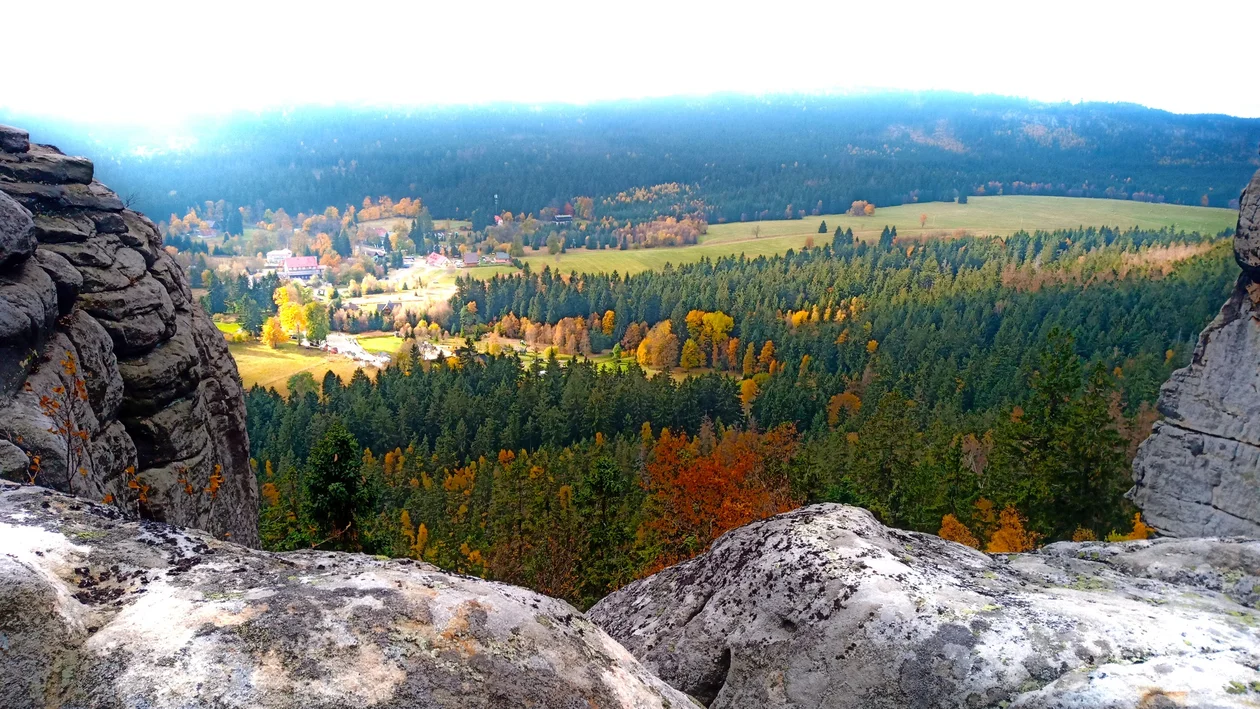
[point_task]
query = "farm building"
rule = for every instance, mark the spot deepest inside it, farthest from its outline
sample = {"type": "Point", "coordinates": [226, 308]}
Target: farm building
{"type": "Point", "coordinates": [471, 260]}
{"type": "Point", "coordinates": [301, 267]}
{"type": "Point", "coordinates": [502, 257]}
{"type": "Point", "coordinates": [436, 260]}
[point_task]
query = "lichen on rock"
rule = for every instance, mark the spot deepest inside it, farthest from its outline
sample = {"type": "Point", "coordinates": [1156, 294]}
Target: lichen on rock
{"type": "Point", "coordinates": [98, 611]}
{"type": "Point", "coordinates": [824, 607]}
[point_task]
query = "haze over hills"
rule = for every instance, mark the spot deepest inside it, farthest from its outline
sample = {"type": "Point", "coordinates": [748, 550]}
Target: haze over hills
{"type": "Point", "coordinates": [747, 157]}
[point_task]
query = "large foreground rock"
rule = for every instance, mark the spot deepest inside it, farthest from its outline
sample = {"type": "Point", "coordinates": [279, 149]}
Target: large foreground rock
{"type": "Point", "coordinates": [824, 607]}
{"type": "Point", "coordinates": [96, 611]}
{"type": "Point", "coordinates": [86, 285]}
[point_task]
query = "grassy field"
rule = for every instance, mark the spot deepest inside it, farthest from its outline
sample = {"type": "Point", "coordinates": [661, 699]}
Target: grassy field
{"type": "Point", "coordinates": [996, 216]}
{"type": "Point", "coordinates": [259, 364]}
{"type": "Point", "coordinates": [380, 342]}
{"type": "Point", "coordinates": [227, 328]}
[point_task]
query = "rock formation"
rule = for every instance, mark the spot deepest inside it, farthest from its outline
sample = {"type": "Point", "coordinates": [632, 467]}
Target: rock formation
{"type": "Point", "coordinates": [96, 611]}
{"type": "Point", "coordinates": [824, 607]}
{"type": "Point", "coordinates": [1199, 472]}
{"type": "Point", "coordinates": [101, 338]}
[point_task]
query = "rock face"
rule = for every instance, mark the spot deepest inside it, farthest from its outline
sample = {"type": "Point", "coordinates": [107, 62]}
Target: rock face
{"type": "Point", "coordinates": [1199, 472]}
{"type": "Point", "coordinates": [96, 611]}
{"type": "Point", "coordinates": [97, 317]}
{"type": "Point", "coordinates": [826, 607]}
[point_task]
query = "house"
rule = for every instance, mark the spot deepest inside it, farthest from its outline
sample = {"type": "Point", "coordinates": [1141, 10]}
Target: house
{"type": "Point", "coordinates": [436, 260]}
{"type": "Point", "coordinates": [562, 218]}
{"type": "Point", "coordinates": [374, 253]}
{"type": "Point", "coordinates": [301, 267]}
{"type": "Point", "coordinates": [502, 257]}
{"type": "Point", "coordinates": [277, 257]}
{"type": "Point", "coordinates": [471, 259]}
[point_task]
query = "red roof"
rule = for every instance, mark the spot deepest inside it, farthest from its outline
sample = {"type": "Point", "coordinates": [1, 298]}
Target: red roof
{"type": "Point", "coordinates": [300, 262]}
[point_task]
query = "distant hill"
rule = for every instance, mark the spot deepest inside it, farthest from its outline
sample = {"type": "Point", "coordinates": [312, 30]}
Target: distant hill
{"type": "Point", "coordinates": [745, 157]}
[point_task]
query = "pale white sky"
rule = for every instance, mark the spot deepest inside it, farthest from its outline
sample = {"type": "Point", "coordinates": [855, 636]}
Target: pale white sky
{"type": "Point", "coordinates": [156, 63]}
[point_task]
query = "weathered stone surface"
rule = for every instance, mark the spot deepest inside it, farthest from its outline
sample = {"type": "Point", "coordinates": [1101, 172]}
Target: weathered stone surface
{"type": "Point", "coordinates": [17, 232]}
{"type": "Point", "coordinates": [170, 371]}
{"type": "Point", "coordinates": [65, 277]}
{"type": "Point", "coordinates": [104, 262]}
{"type": "Point", "coordinates": [825, 608]}
{"type": "Point", "coordinates": [99, 612]}
{"type": "Point", "coordinates": [28, 311]}
{"type": "Point", "coordinates": [14, 140]}
{"type": "Point", "coordinates": [42, 164]}
{"type": "Point", "coordinates": [1199, 472]}
{"type": "Point", "coordinates": [60, 228]}
{"type": "Point", "coordinates": [39, 197]}
{"type": "Point", "coordinates": [138, 316]}
{"type": "Point", "coordinates": [124, 304]}
{"type": "Point", "coordinates": [1247, 235]}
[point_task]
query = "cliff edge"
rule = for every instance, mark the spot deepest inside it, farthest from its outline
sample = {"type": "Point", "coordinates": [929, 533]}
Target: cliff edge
{"type": "Point", "coordinates": [114, 384]}
{"type": "Point", "coordinates": [1199, 472]}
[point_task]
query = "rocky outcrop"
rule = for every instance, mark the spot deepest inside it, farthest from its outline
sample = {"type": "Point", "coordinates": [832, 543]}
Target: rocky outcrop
{"type": "Point", "coordinates": [824, 607]}
{"type": "Point", "coordinates": [1198, 474]}
{"type": "Point", "coordinates": [96, 611]}
{"type": "Point", "coordinates": [114, 384]}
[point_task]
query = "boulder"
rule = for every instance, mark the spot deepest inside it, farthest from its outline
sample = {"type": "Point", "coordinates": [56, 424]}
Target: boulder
{"type": "Point", "coordinates": [102, 612]}
{"type": "Point", "coordinates": [824, 607]}
{"type": "Point", "coordinates": [1199, 471]}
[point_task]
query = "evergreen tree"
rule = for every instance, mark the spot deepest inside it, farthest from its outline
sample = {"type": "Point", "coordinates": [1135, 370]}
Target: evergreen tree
{"type": "Point", "coordinates": [333, 486]}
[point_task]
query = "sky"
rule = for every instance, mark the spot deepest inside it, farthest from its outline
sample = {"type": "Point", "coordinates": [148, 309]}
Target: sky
{"type": "Point", "coordinates": [160, 63]}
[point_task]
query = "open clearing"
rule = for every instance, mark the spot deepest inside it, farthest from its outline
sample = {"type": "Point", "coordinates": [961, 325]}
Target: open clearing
{"type": "Point", "coordinates": [259, 364]}
{"type": "Point", "coordinates": [994, 216]}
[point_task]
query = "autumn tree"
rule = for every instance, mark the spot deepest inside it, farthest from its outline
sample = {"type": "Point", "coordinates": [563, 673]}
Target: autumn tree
{"type": "Point", "coordinates": [273, 333]}
{"type": "Point", "coordinates": [955, 531]}
{"type": "Point", "coordinates": [766, 358]}
{"type": "Point", "coordinates": [692, 356]}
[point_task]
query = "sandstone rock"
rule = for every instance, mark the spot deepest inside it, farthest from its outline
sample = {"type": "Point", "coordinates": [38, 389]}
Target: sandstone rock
{"type": "Point", "coordinates": [65, 277]}
{"type": "Point", "coordinates": [100, 612]}
{"type": "Point", "coordinates": [42, 164]}
{"type": "Point", "coordinates": [125, 309]}
{"type": "Point", "coordinates": [28, 310]}
{"type": "Point", "coordinates": [14, 140]}
{"type": "Point", "coordinates": [138, 316]}
{"type": "Point", "coordinates": [825, 607]}
{"type": "Point", "coordinates": [170, 371]}
{"type": "Point", "coordinates": [39, 197]}
{"type": "Point", "coordinates": [17, 232]}
{"type": "Point", "coordinates": [60, 228]}
{"type": "Point", "coordinates": [1247, 235]}
{"type": "Point", "coordinates": [1199, 472]}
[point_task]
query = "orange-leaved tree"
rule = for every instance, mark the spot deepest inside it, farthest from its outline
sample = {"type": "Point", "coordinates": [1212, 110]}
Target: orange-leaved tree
{"type": "Point", "coordinates": [695, 497]}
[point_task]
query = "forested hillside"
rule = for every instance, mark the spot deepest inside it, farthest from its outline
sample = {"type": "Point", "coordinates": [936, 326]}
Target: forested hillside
{"type": "Point", "coordinates": [990, 389]}
{"type": "Point", "coordinates": [742, 158]}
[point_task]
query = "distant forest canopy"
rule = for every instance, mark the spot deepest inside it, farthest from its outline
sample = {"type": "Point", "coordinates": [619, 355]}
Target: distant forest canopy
{"type": "Point", "coordinates": [741, 158]}
{"type": "Point", "coordinates": [992, 391]}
